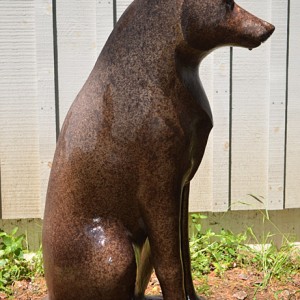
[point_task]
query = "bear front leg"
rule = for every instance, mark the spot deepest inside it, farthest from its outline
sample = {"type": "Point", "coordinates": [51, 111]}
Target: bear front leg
{"type": "Point", "coordinates": [161, 214]}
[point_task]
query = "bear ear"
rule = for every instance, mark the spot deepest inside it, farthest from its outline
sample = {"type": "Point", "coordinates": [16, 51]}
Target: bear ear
{"type": "Point", "coordinates": [229, 4]}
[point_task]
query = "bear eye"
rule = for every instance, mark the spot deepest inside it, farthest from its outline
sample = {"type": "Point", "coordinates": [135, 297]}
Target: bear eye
{"type": "Point", "coordinates": [230, 4]}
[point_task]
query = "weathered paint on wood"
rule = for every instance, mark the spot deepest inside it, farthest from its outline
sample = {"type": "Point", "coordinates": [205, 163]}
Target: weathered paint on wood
{"type": "Point", "coordinates": [202, 184]}
{"type": "Point", "coordinates": [19, 146]}
{"type": "Point", "coordinates": [221, 130]}
{"type": "Point", "coordinates": [77, 48]}
{"type": "Point", "coordinates": [255, 128]}
{"type": "Point", "coordinates": [293, 111]}
{"type": "Point", "coordinates": [45, 91]}
{"type": "Point", "coordinates": [121, 6]}
{"type": "Point", "coordinates": [277, 105]}
{"type": "Point", "coordinates": [250, 110]}
{"type": "Point", "coordinates": [104, 22]}
{"type": "Point", "coordinates": [210, 187]}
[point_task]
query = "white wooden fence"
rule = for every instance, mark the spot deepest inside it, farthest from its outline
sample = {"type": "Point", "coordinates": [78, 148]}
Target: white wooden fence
{"type": "Point", "coordinates": [254, 148]}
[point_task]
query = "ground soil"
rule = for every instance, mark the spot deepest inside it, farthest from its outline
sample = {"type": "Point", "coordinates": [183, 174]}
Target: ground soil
{"type": "Point", "coordinates": [235, 284]}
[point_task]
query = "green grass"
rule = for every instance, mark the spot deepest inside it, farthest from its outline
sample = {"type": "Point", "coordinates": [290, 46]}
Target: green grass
{"type": "Point", "coordinates": [224, 250]}
{"type": "Point", "coordinates": [210, 251]}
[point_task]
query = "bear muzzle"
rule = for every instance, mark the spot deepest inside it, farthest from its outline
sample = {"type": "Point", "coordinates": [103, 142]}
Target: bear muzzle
{"type": "Point", "coordinates": [252, 30]}
{"type": "Point", "coordinates": [269, 31]}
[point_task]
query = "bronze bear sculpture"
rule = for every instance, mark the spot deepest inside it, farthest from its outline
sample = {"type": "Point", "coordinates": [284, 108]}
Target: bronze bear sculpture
{"type": "Point", "coordinates": [129, 147]}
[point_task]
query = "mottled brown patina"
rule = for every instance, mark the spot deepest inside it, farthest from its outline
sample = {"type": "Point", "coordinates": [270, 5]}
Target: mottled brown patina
{"type": "Point", "coordinates": [130, 144]}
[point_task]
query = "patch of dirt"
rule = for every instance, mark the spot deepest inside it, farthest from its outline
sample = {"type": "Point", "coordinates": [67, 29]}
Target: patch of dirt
{"type": "Point", "coordinates": [28, 290]}
{"type": "Point", "coordinates": [239, 284]}
{"type": "Point", "coordinates": [235, 284]}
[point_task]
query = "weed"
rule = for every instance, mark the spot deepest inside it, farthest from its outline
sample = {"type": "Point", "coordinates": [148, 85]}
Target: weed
{"type": "Point", "coordinates": [37, 263]}
{"type": "Point", "coordinates": [219, 252]}
{"type": "Point", "coordinates": [203, 288]}
{"type": "Point", "coordinates": [13, 263]}
{"type": "Point", "coordinates": [195, 220]}
{"type": "Point", "coordinates": [273, 262]}
{"type": "Point", "coordinates": [210, 251]}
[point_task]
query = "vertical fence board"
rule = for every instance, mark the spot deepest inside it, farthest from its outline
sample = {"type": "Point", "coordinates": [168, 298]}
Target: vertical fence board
{"type": "Point", "coordinates": [202, 184]}
{"type": "Point", "coordinates": [121, 7]}
{"type": "Point", "coordinates": [77, 48]}
{"type": "Point", "coordinates": [277, 106]}
{"type": "Point", "coordinates": [293, 121]}
{"type": "Point", "coordinates": [45, 91]}
{"type": "Point", "coordinates": [104, 22]}
{"type": "Point", "coordinates": [221, 143]}
{"type": "Point", "coordinates": [249, 117]}
{"type": "Point", "coordinates": [27, 108]}
{"type": "Point", "coordinates": [19, 148]}
{"type": "Point", "coordinates": [209, 188]}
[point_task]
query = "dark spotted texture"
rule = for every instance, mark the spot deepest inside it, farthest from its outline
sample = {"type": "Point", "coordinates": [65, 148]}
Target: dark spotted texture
{"type": "Point", "coordinates": [131, 142]}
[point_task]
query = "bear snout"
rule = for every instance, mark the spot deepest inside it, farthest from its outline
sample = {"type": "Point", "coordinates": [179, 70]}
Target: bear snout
{"type": "Point", "coordinates": [269, 31]}
{"type": "Point", "coordinates": [250, 30]}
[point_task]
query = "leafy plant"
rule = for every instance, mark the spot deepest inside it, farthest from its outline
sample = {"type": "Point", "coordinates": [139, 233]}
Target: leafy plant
{"type": "Point", "coordinates": [13, 263]}
{"type": "Point", "coordinates": [218, 252]}
{"type": "Point", "coordinates": [195, 220]}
